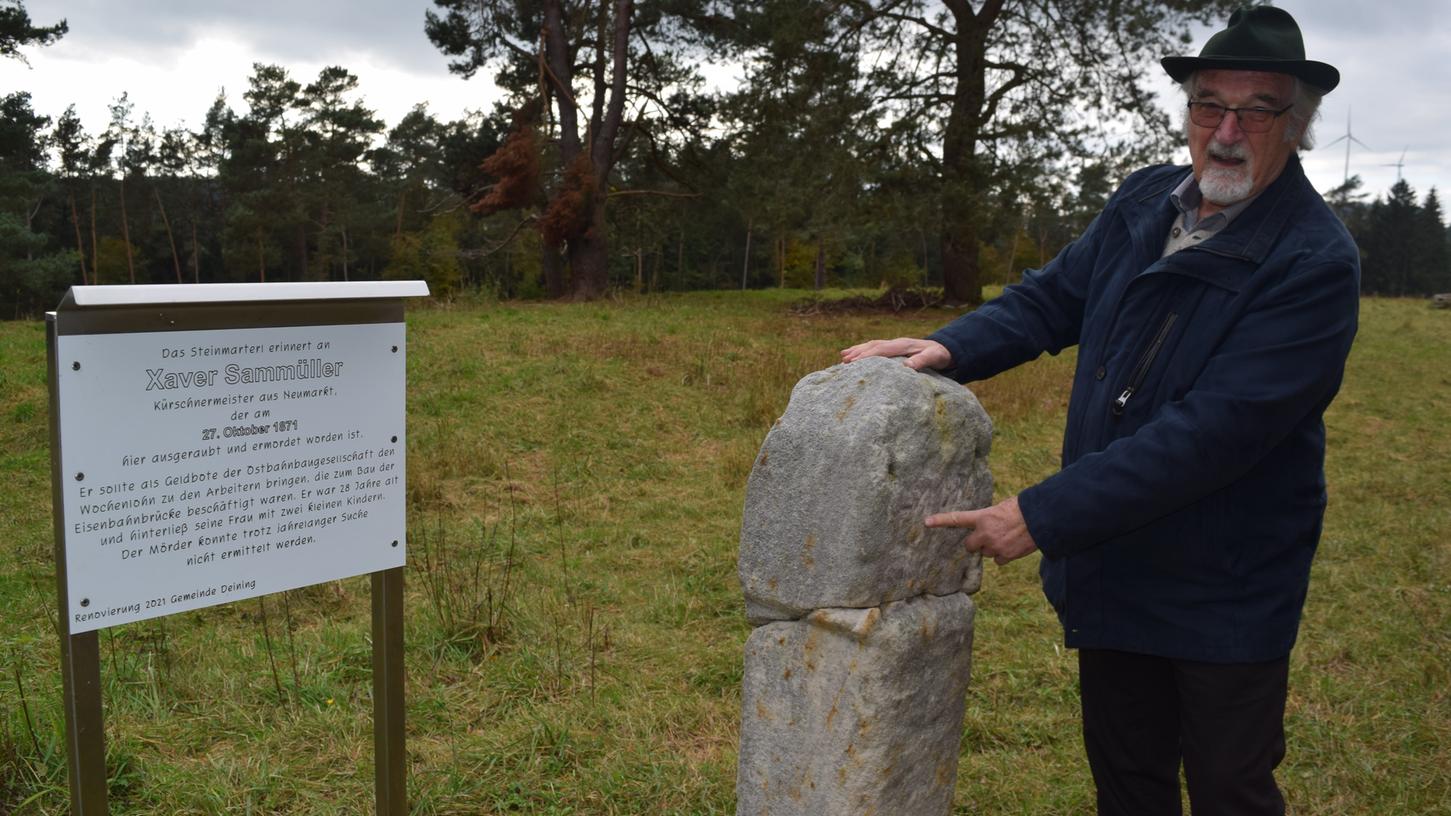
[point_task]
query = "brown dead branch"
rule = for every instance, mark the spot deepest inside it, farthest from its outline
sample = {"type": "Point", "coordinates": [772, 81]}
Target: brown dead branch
{"type": "Point", "coordinates": [515, 164]}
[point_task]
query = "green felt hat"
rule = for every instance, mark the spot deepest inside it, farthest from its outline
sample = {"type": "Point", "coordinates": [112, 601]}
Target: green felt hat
{"type": "Point", "coordinates": [1260, 38]}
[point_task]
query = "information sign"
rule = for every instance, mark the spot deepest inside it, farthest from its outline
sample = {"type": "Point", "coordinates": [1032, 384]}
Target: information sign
{"type": "Point", "coordinates": [204, 467]}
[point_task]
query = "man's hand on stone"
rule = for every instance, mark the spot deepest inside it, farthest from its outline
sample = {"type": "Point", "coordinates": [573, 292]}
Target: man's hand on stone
{"type": "Point", "coordinates": [920, 354]}
{"type": "Point", "coordinates": [998, 532]}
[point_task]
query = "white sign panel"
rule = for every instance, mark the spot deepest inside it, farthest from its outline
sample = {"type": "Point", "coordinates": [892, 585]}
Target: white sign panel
{"type": "Point", "coordinates": [206, 467]}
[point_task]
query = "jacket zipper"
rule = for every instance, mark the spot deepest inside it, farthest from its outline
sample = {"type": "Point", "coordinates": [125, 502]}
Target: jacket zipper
{"type": "Point", "coordinates": [1145, 362]}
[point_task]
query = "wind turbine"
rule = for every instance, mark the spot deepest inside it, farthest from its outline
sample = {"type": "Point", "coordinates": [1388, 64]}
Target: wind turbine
{"type": "Point", "coordinates": [1398, 164]}
{"type": "Point", "coordinates": [1348, 138]}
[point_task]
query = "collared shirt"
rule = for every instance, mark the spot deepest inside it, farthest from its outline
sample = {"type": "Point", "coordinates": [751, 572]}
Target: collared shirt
{"type": "Point", "coordinates": [1188, 228]}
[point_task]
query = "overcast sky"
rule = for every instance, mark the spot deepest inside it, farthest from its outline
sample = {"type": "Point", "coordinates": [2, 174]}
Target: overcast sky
{"type": "Point", "coordinates": [173, 56]}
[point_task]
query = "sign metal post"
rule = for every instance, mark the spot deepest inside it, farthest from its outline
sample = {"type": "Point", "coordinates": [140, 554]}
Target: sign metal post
{"type": "Point", "coordinates": [80, 655]}
{"type": "Point", "coordinates": [390, 788]}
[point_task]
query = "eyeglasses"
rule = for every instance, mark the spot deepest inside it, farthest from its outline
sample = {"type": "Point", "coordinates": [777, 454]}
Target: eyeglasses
{"type": "Point", "coordinates": [1251, 120]}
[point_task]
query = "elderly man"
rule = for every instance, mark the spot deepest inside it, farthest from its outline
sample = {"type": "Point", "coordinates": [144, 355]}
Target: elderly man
{"type": "Point", "coordinates": [1213, 308]}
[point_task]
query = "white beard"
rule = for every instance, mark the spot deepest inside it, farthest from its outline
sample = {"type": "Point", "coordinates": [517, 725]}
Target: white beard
{"type": "Point", "coordinates": [1224, 186]}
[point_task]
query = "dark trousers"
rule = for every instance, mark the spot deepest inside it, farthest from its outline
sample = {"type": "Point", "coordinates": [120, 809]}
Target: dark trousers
{"type": "Point", "coordinates": [1142, 715]}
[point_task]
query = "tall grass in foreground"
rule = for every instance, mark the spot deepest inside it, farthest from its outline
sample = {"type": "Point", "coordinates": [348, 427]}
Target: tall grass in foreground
{"type": "Point", "coordinates": [575, 479]}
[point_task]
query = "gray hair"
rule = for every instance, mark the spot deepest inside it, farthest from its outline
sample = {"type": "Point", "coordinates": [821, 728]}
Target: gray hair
{"type": "Point", "coordinates": [1304, 109]}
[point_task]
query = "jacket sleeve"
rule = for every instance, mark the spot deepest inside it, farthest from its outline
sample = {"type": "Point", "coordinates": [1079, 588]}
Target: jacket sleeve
{"type": "Point", "coordinates": [1281, 362]}
{"type": "Point", "coordinates": [1043, 312]}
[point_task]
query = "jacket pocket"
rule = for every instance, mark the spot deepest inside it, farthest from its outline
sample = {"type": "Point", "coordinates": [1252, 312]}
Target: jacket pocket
{"type": "Point", "coordinates": [1146, 362]}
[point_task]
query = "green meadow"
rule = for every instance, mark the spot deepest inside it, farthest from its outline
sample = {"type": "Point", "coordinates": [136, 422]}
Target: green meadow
{"type": "Point", "coordinates": [575, 627]}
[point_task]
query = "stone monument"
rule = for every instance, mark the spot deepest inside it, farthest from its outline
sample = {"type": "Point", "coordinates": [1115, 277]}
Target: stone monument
{"type": "Point", "coordinates": [855, 674]}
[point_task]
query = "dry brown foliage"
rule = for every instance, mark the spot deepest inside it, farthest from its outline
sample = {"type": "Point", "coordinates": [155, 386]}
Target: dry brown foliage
{"type": "Point", "coordinates": [568, 215]}
{"type": "Point", "coordinates": [516, 166]}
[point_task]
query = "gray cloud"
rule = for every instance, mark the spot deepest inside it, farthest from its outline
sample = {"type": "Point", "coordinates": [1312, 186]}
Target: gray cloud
{"type": "Point", "coordinates": [278, 31]}
{"type": "Point", "coordinates": [1391, 58]}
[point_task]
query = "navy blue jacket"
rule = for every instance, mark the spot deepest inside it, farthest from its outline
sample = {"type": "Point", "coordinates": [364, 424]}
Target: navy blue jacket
{"type": "Point", "coordinates": [1192, 491]}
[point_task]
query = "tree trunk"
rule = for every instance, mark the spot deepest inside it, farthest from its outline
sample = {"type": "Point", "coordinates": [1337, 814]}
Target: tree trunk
{"type": "Point", "coordinates": [551, 263]}
{"type": "Point", "coordinates": [304, 257]}
{"type": "Point", "coordinates": [345, 252]}
{"type": "Point", "coordinates": [589, 260]}
{"type": "Point", "coordinates": [781, 262]}
{"type": "Point", "coordinates": [589, 253]}
{"type": "Point", "coordinates": [820, 277]}
{"type": "Point", "coordinates": [166, 222]}
{"type": "Point", "coordinates": [95, 270]}
{"type": "Point", "coordinates": [303, 263]}
{"type": "Point", "coordinates": [398, 227]}
{"type": "Point", "coordinates": [1012, 254]}
{"type": "Point", "coordinates": [196, 256]}
{"type": "Point", "coordinates": [556, 48]}
{"type": "Point", "coordinates": [961, 278]}
{"type": "Point", "coordinates": [746, 264]}
{"type": "Point", "coordinates": [261, 260]}
{"type": "Point", "coordinates": [29, 221]}
{"type": "Point", "coordinates": [963, 182]}
{"type": "Point", "coordinates": [126, 233]}
{"type": "Point", "coordinates": [80, 246]}
{"type": "Point", "coordinates": [561, 84]}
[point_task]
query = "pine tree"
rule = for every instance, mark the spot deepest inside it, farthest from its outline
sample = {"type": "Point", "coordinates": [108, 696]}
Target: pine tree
{"type": "Point", "coordinates": [16, 30]}
{"type": "Point", "coordinates": [32, 274]}
{"type": "Point", "coordinates": [1387, 243]}
{"type": "Point", "coordinates": [73, 147]}
{"type": "Point", "coordinates": [1432, 254]}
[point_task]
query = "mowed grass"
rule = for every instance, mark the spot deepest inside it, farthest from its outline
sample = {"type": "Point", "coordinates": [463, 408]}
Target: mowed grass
{"type": "Point", "coordinates": [575, 627]}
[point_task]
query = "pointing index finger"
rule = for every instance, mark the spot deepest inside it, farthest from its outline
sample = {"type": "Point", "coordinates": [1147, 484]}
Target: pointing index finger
{"type": "Point", "coordinates": [955, 518]}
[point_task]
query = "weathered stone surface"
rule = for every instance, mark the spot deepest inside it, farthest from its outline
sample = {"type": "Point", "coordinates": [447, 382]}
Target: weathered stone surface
{"type": "Point", "coordinates": [835, 502]}
{"type": "Point", "coordinates": [855, 712]}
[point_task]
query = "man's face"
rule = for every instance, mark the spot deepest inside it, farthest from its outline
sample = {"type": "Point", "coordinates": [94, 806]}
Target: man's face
{"type": "Point", "coordinates": [1230, 164]}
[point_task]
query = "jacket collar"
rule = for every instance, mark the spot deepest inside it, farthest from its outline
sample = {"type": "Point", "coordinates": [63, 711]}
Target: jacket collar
{"type": "Point", "coordinates": [1249, 237]}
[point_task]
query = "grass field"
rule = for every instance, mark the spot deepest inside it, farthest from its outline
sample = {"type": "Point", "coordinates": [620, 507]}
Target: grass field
{"type": "Point", "coordinates": [575, 626]}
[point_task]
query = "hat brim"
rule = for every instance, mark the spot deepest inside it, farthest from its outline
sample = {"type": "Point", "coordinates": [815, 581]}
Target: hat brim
{"type": "Point", "coordinates": [1321, 75]}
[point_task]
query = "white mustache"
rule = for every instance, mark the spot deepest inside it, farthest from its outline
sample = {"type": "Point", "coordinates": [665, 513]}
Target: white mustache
{"type": "Point", "coordinates": [1228, 151]}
